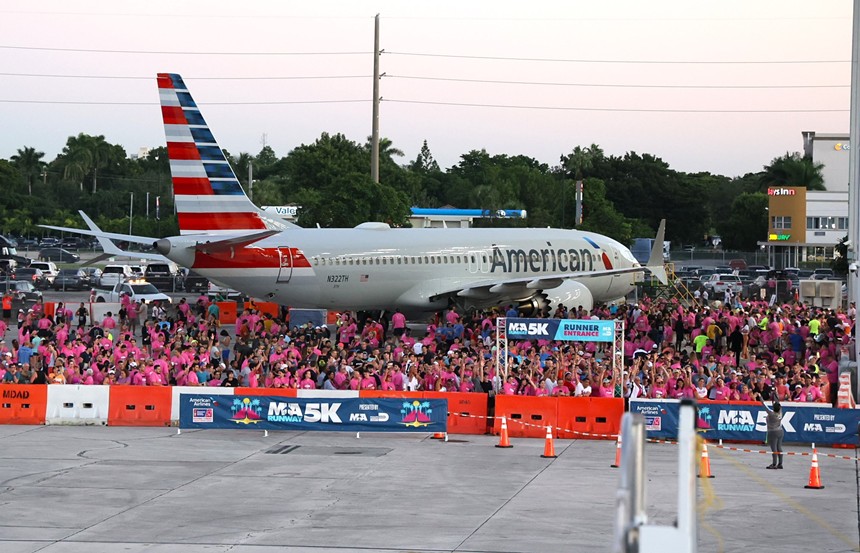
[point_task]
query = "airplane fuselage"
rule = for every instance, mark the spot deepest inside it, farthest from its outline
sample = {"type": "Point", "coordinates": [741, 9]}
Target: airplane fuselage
{"type": "Point", "coordinates": [413, 269]}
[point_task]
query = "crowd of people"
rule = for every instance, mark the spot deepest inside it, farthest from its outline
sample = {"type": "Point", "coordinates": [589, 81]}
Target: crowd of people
{"type": "Point", "coordinates": [735, 351]}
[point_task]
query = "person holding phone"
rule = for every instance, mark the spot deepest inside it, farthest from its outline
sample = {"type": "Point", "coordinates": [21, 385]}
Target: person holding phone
{"type": "Point", "coordinates": [775, 432]}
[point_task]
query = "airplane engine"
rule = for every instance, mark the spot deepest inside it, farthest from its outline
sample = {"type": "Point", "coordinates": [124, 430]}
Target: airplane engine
{"type": "Point", "coordinates": [571, 294]}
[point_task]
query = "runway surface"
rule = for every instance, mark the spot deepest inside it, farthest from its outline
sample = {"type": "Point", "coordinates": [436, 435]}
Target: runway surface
{"type": "Point", "coordinates": [94, 489]}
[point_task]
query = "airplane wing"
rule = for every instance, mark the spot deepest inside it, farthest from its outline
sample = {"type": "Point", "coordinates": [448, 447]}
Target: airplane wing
{"type": "Point", "coordinates": [110, 249]}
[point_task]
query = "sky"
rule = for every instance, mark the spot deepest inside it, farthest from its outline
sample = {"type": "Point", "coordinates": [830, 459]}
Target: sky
{"type": "Point", "coordinates": [707, 86]}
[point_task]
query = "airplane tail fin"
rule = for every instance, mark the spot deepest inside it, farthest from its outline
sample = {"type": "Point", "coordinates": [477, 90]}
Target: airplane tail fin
{"type": "Point", "coordinates": [655, 261]}
{"type": "Point", "coordinates": [207, 193]}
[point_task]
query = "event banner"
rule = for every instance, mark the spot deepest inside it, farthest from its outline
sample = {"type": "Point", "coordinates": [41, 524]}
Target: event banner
{"type": "Point", "coordinates": [571, 330]}
{"type": "Point", "coordinates": [336, 414]}
{"type": "Point", "coordinates": [741, 422]}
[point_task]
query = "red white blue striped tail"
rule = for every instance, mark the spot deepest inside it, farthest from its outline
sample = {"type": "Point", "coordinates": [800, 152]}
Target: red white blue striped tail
{"type": "Point", "coordinates": [207, 193]}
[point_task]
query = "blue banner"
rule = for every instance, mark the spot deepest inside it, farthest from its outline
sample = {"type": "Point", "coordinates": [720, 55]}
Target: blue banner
{"type": "Point", "coordinates": [289, 413]}
{"type": "Point", "coordinates": [569, 330]}
{"type": "Point", "coordinates": [723, 421]}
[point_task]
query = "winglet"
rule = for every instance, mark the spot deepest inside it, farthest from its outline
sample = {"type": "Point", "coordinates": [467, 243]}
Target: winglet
{"type": "Point", "coordinates": [655, 261]}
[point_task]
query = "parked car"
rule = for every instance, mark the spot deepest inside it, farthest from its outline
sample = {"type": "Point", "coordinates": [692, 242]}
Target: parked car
{"type": "Point", "coordinates": [49, 242]}
{"type": "Point", "coordinates": [58, 254]}
{"type": "Point", "coordinates": [136, 290]}
{"type": "Point", "coordinates": [718, 283]}
{"type": "Point", "coordinates": [94, 274]}
{"type": "Point", "coordinates": [822, 274]}
{"type": "Point", "coordinates": [48, 268]}
{"type": "Point", "coordinates": [23, 291]}
{"type": "Point", "coordinates": [114, 274]}
{"type": "Point", "coordinates": [31, 275]}
{"type": "Point", "coordinates": [72, 279]}
{"type": "Point", "coordinates": [75, 243]}
{"type": "Point", "coordinates": [193, 282]}
{"type": "Point", "coordinates": [164, 276]}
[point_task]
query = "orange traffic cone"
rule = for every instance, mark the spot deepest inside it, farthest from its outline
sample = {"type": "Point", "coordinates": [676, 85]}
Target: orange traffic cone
{"type": "Point", "coordinates": [617, 453]}
{"type": "Point", "coordinates": [503, 437]}
{"type": "Point", "coordinates": [438, 436]}
{"type": "Point", "coordinates": [548, 448]}
{"type": "Point", "coordinates": [705, 464]}
{"type": "Point", "coordinates": [814, 473]}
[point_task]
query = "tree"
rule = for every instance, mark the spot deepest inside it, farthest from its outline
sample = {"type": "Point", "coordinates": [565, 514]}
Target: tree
{"type": "Point", "coordinates": [793, 169]}
{"type": "Point", "coordinates": [601, 216]}
{"type": "Point", "coordinates": [85, 154]}
{"type": "Point", "coordinates": [747, 223]}
{"type": "Point", "coordinates": [578, 165]}
{"type": "Point", "coordinates": [424, 163]}
{"type": "Point", "coordinates": [29, 162]}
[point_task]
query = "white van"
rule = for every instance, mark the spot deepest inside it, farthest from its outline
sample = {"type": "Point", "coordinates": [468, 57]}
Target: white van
{"type": "Point", "coordinates": [114, 274]}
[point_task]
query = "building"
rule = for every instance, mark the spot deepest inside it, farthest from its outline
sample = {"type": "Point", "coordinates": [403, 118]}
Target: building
{"type": "Point", "coordinates": [804, 226]}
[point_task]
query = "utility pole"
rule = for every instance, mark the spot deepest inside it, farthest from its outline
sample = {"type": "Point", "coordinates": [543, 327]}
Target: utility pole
{"type": "Point", "coordinates": [854, 180]}
{"type": "Point", "coordinates": [147, 205]}
{"type": "Point", "coordinates": [374, 138]}
{"type": "Point", "coordinates": [130, 211]}
{"type": "Point", "coordinates": [251, 180]}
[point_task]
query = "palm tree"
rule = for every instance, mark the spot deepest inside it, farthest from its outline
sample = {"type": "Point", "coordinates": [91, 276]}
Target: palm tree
{"type": "Point", "coordinates": [793, 169]}
{"type": "Point", "coordinates": [29, 162]}
{"type": "Point", "coordinates": [85, 153]}
{"type": "Point", "coordinates": [578, 164]}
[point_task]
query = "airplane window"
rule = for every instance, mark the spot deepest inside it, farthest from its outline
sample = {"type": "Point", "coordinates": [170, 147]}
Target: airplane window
{"type": "Point", "coordinates": [473, 259]}
{"type": "Point", "coordinates": [419, 261]}
{"type": "Point", "coordinates": [399, 260]}
{"type": "Point", "coordinates": [377, 261]}
{"type": "Point", "coordinates": [432, 260]}
{"type": "Point", "coordinates": [484, 258]}
{"type": "Point", "coordinates": [316, 261]}
{"type": "Point", "coordinates": [426, 261]}
{"type": "Point", "coordinates": [458, 259]}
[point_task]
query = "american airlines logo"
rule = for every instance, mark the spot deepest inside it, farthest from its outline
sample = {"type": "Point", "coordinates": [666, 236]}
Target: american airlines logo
{"type": "Point", "coordinates": [781, 192]}
{"type": "Point", "coordinates": [528, 328]}
{"type": "Point", "coordinates": [512, 260]}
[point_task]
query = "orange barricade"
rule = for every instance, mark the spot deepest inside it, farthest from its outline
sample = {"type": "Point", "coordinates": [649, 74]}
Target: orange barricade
{"type": "Point", "coordinates": [467, 411]}
{"type": "Point", "coordinates": [139, 405]}
{"type": "Point", "coordinates": [50, 308]}
{"type": "Point", "coordinates": [272, 309]}
{"type": "Point", "coordinates": [605, 416]}
{"type": "Point", "coordinates": [227, 311]}
{"type": "Point", "coordinates": [574, 416]}
{"type": "Point", "coordinates": [332, 317]}
{"type": "Point", "coordinates": [23, 404]}
{"type": "Point", "coordinates": [527, 417]}
{"type": "Point", "coordinates": [280, 392]}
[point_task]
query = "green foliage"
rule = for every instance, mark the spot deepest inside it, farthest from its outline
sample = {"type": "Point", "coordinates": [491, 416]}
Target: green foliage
{"type": "Point", "coordinates": [747, 222]}
{"type": "Point", "coordinates": [839, 264]}
{"type": "Point", "coordinates": [793, 169]}
{"type": "Point", "coordinates": [624, 196]}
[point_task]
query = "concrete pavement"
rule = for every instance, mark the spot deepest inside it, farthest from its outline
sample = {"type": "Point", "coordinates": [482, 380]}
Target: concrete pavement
{"type": "Point", "coordinates": [86, 489]}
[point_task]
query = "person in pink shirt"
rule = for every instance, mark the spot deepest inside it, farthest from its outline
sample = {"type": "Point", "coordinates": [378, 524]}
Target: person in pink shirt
{"type": "Point", "coordinates": [451, 316]}
{"type": "Point", "coordinates": [606, 384]}
{"type": "Point", "coordinates": [307, 382]}
{"type": "Point", "coordinates": [398, 323]}
{"type": "Point", "coordinates": [108, 323]}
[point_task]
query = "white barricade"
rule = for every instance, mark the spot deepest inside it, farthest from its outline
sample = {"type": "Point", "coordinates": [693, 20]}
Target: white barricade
{"type": "Point", "coordinates": [98, 310]}
{"type": "Point", "coordinates": [326, 393]}
{"type": "Point", "coordinates": [208, 390]}
{"type": "Point", "coordinates": [77, 405]}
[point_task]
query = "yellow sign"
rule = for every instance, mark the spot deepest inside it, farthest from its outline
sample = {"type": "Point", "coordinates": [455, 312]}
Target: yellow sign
{"type": "Point", "coordinates": [842, 146]}
{"type": "Point", "coordinates": [778, 237]}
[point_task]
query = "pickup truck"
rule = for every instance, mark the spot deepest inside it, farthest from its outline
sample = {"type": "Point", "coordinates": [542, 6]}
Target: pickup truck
{"type": "Point", "coordinates": [136, 289]}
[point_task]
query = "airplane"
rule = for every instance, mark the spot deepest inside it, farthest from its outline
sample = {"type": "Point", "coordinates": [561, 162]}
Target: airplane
{"type": "Point", "coordinates": [229, 240]}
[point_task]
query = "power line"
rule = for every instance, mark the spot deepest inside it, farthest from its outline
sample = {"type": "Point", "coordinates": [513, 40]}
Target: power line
{"type": "Point", "coordinates": [94, 103]}
{"type": "Point", "coordinates": [610, 85]}
{"type": "Point", "coordinates": [423, 78]}
{"type": "Point", "coordinates": [655, 62]}
{"type": "Point", "coordinates": [147, 78]}
{"type": "Point", "coordinates": [624, 110]}
{"type": "Point", "coordinates": [179, 53]}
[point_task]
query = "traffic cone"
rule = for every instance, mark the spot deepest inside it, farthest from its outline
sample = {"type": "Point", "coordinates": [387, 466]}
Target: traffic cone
{"type": "Point", "coordinates": [503, 436]}
{"type": "Point", "coordinates": [705, 464]}
{"type": "Point", "coordinates": [438, 436]}
{"type": "Point", "coordinates": [548, 448]}
{"type": "Point", "coordinates": [617, 453]}
{"type": "Point", "coordinates": [814, 473]}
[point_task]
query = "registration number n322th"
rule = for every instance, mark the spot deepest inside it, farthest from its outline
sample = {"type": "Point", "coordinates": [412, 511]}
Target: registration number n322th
{"type": "Point", "coordinates": [337, 278]}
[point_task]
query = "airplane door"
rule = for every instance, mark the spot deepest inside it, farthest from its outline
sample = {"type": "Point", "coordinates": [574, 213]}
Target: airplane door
{"type": "Point", "coordinates": [285, 269]}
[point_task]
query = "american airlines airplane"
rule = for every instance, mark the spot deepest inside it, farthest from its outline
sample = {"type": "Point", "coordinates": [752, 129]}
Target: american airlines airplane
{"type": "Point", "coordinates": [226, 238]}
